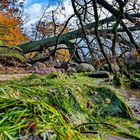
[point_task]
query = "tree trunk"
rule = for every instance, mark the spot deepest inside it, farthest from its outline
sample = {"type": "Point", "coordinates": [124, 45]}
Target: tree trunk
{"type": "Point", "coordinates": [51, 41]}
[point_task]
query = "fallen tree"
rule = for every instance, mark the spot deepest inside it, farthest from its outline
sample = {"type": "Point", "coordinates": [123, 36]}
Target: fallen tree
{"type": "Point", "coordinates": [65, 38]}
{"type": "Point", "coordinates": [97, 31]}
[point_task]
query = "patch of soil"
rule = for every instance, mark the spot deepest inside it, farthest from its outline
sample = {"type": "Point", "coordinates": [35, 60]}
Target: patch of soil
{"type": "Point", "coordinates": [12, 72]}
{"type": "Point", "coordinates": [6, 77]}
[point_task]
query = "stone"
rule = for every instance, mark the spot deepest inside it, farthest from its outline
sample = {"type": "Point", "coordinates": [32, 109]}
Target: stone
{"type": "Point", "coordinates": [100, 74]}
{"type": "Point", "coordinates": [85, 67]}
{"type": "Point", "coordinates": [40, 71]}
{"type": "Point", "coordinates": [52, 69]}
{"type": "Point", "coordinates": [50, 63]}
{"type": "Point", "coordinates": [47, 71]}
{"type": "Point", "coordinates": [40, 65]}
{"type": "Point", "coordinates": [71, 70]}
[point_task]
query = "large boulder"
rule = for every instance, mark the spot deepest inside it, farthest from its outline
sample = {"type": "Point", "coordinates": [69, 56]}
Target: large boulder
{"type": "Point", "coordinates": [84, 67]}
{"type": "Point", "coordinates": [100, 74]}
{"type": "Point", "coordinates": [47, 71]}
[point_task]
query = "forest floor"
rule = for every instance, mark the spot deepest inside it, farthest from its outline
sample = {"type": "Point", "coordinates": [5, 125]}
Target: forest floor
{"type": "Point", "coordinates": [19, 90]}
{"type": "Point", "coordinates": [6, 77]}
{"type": "Point", "coordinates": [11, 73]}
{"type": "Point", "coordinates": [132, 97]}
{"type": "Point", "coordinates": [60, 106]}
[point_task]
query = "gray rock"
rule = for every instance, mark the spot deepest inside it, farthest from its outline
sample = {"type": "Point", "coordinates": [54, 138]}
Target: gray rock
{"type": "Point", "coordinates": [84, 67]}
{"type": "Point", "coordinates": [100, 74]}
{"type": "Point", "coordinates": [40, 65]}
{"type": "Point", "coordinates": [46, 71]}
{"type": "Point", "coordinates": [71, 70]}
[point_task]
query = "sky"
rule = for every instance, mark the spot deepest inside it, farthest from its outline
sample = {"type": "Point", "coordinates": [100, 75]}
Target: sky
{"type": "Point", "coordinates": [34, 9]}
{"type": "Point", "coordinates": [30, 2]}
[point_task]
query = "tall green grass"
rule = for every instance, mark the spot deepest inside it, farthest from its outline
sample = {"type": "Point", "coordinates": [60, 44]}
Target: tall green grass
{"type": "Point", "coordinates": [62, 107]}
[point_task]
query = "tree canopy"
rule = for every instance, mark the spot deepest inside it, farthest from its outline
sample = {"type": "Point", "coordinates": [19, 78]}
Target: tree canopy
{"type": "Point", "coordinates": [10, 23]}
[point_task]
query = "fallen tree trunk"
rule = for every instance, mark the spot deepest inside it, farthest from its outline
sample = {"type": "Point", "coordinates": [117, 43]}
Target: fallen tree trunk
{"type": "Point", "coordinates": [51, 41]}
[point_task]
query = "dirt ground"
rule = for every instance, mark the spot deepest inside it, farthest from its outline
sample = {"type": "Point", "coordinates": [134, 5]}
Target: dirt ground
{"type": "Point", "coordinates": [6, 77]}
{"type": "Point", "coordinates": [10, 73]}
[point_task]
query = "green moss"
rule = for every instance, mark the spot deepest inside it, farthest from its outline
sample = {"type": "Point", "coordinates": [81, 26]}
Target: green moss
{"type": "Point", "coordinates": [7, 53]}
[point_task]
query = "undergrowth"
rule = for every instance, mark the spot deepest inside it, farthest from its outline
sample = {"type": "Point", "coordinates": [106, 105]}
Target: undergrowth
{"type": "Point", "coordinates": [59, 107]}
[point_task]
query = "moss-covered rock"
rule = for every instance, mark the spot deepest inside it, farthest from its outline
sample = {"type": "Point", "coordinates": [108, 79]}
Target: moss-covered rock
{"type": "Point", "coordinates": [10, 55]}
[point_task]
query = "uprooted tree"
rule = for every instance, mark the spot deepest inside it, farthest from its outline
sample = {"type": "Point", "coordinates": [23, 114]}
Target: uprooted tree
{"type": "Point", "coordinates": [108, 30]}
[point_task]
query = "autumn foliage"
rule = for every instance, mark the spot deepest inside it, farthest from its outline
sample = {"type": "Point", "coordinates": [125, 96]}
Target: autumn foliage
{"type": "Point", "coordinates": [10, 21]}
{"type": "Point", "coordinates": [11, 6]}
